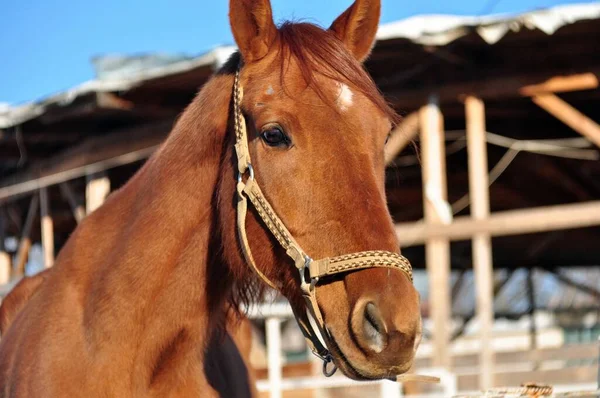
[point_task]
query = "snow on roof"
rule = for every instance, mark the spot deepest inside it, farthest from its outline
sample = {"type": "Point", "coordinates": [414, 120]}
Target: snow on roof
{"type": "Point", "coordinates": [439, 30]}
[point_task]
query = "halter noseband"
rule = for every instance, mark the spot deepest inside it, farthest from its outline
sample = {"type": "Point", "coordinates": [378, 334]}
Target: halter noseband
{"type": "Point", "coordinates": [311, 271]}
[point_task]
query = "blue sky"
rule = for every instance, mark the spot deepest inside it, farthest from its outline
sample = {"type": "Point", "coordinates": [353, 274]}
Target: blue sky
{"type": "Point", "coordinates": [46, 45]}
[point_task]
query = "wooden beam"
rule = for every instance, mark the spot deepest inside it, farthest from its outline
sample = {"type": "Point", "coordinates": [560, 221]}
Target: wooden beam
{"type": "Point", "coordinates": [506, 87]}
{"type": "Point", "coordinates": [96, 191]}
{"type": "Point", "coordinates": [5, 259]}
{"type": "Point", "coordinates": [112, 101]}
{"type": "Point", "coordinates": [577, 285]}
{"type": "Point", "coordinates": [14, 216]}
{"type": "Point", "coordinates": [511, 222]}
{"type": "Point", "coordinates": [25, 242]}
{"type": "Point", "coordinates": [5, 267]}
{"type": "Point", "coordinates": [13, 191]}
{"type": "Point", "coordinates": [532, 305]}
{"type": "Point", "coordinates": [47, 228]}
{"type": "Point", "coordinates": [569, 116]}
{"type": "Point", "coordinates": [402, 135]}
{"type": "Point", "coordinates": [121, 147]}
{"type": "Point", "coordinates": [559, 84]}
{"type": "Point", "coordinates": [437, 250]}
{"type": "Point", "coordinates": [565, 353]}
{"type": "Point", "coordinates": [482, 242]}
{"type": "Point", "coordinates": [69, 195]}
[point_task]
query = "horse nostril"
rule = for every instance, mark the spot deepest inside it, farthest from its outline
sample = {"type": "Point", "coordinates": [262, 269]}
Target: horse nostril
{"type": "Point", "coordinates": [374, 330]}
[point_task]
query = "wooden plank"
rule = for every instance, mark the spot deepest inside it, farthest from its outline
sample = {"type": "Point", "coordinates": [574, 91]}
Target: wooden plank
{"type": "Point", "coordinates": [584, 351]}
{"type": "Point", "coordinates": [511, 222]}
{"type": "Point", "coordinates": [5, 259]}
{"type": "Point", "coordinates": [113, 101]}
{"type": "Point", "coordinates": [402, 135]}
{"type": "Point", "coordinates": [69, 195]}
{"type": "Point", "coordinates": [482, 244]}
{"type": "Point", "coordinates": [559, 84]}
{"type": "Point", "coordinates": [437, 250]}
{"type": "Point", "coordinates": [5, 267]}
{"type": "Point", "coordinates": [569, 116]}
{"type": "Point", "coordinates": [497, 88]}
{"type": "Point", "coordinates": [25, 242]}
{"type": "Point", "coordinates": [96, 191]}
{"type": "Point", "coordinates": [47, 228]}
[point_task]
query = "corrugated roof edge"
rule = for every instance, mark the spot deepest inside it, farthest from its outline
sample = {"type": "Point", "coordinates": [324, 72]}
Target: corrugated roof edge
{"type": "Point", "coordinates": [12, 116]}
{"type": "Point", "coordinates": [437, 30]}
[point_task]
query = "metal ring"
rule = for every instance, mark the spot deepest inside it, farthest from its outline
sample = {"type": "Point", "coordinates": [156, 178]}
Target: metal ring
{"type": "Point", "coordinates": [326, 361]}
{"type": "Point", "coordinates": [250, 171]}
{"type": "Point", "coordinates": [305, 271]}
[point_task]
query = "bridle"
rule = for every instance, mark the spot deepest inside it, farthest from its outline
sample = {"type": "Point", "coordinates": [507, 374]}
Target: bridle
{"type": "Point", "coordinates": [311, 271]}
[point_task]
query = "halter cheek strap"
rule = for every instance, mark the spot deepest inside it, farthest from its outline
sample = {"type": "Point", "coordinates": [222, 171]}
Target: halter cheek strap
{"type": "Point", "coordinates": [310, 271]}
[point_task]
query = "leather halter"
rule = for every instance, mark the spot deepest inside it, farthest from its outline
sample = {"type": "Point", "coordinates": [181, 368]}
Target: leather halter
{"type": "Point", "coordinates": [311, 271]}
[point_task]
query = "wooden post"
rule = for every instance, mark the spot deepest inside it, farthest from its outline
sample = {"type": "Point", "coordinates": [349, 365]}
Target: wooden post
{"type": "Point", "coordinates": [569, 116]}
{"type": "Point", "coordinates": [402, 135]}
{"type": "Point", "coordinates": [273, 326]}
{"type": "Point", "coordinates": [482, 245]}
{"type": "Point", "coordinates": [25, 242]}
{"type": "Point", "coordinates": [503, 223]}
{"type": "Point", "coordinates": [5, 260]}
{"type": "Point", "coordinates": [47, 229]}
{"type": "Point", "coordinates": [436, 211]}
{"type": "Point", "coordinates": [76, 208]}
{"type": "Point", "coordinates": [97, 189]}
{"type": "Point", "coordinates": [532, 305]}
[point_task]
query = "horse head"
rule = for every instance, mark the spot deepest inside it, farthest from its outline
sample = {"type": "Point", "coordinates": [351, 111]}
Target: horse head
{"type": "Point", "coordinates": [314, 130]}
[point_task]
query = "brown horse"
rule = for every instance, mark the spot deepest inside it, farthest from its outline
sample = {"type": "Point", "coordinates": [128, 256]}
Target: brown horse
{"type": "Point", "coordinates": [226, 358]}
{"type": "Point", "coordinates": [145, 283]}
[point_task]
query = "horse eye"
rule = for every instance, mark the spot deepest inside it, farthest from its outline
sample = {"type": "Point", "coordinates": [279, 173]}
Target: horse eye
{"type": "Point", "coordinates": [274, 136]}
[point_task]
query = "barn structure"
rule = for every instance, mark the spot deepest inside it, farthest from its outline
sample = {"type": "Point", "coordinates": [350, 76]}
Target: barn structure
{"type": "Point", "coordinates": [493, 175]}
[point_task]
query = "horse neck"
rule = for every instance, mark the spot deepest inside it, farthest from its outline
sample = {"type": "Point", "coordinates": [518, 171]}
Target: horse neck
{"type": "Point", "coordinates": [146, 282]}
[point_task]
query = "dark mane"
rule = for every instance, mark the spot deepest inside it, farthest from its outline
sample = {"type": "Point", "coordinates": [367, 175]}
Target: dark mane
{"type": "Point", "coordinates": [320, 52]}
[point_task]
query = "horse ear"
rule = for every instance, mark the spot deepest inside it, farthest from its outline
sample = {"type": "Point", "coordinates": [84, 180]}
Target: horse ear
{"type": "Point", "coordinates": [357, 27]}
{"type": "Point", "coordinates": [252, 26]}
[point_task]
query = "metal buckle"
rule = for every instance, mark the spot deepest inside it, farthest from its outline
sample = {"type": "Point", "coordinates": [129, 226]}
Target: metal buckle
{"type": "Point", "coordinates": [326, 361]}
{"type": "Point", "coordinates": [306, 282]}
{"type": "Point", "coordinates": [250, 171]}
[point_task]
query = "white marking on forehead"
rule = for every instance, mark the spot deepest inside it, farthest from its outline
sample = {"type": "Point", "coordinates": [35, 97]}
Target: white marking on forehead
{"type": "Point", "coordinates": [270, 91]}
{"type": "Point", "coordinates": [345, 95]}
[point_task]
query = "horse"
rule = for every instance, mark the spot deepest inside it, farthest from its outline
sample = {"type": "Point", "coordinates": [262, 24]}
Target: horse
{"type": "Point", "coordinates": [226, 358]}
{"type": "Point", "coordinates": [279, 159]}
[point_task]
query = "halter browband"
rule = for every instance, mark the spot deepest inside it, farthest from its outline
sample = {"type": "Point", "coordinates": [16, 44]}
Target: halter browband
{"type": "Point", "coordinates": [311, 271]}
